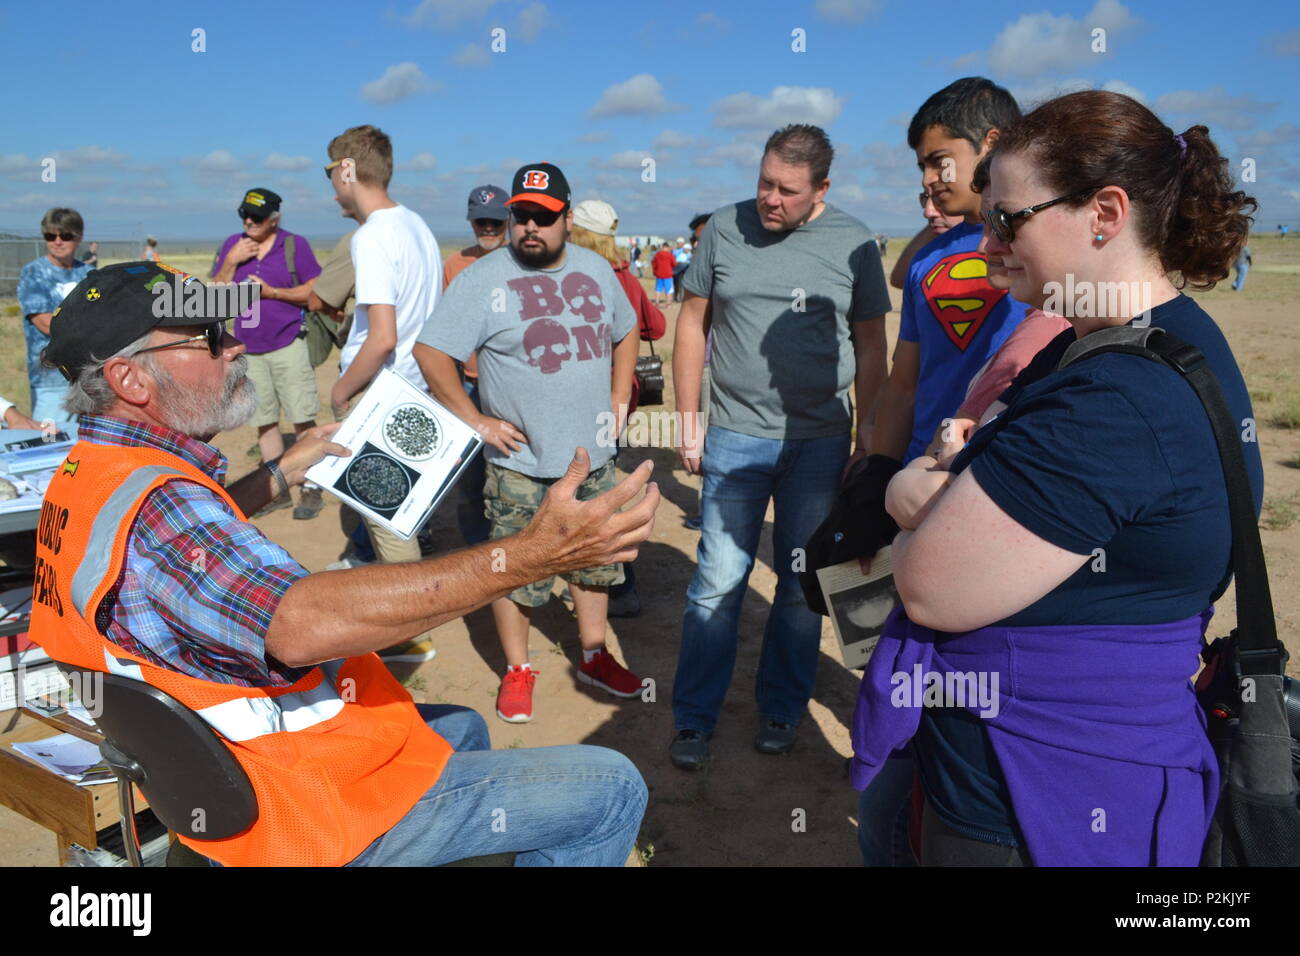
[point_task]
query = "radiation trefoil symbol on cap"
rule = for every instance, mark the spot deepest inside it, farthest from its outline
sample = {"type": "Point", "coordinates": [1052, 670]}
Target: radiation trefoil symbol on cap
{"type": "Point", "coordinates": [959, 295]}
{"type": "Point", "coordinates": [91, 295]}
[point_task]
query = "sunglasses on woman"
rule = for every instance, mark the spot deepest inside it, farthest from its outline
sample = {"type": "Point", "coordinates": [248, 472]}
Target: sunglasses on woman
{"type": "Point", "coordinates": [213, 332]}
{"type": "Point", "coordinates": [257, 217]}
{"type": "Point", "coordinates": [1003, 224]}
{"type": "Point", "coordinates": [543, 217]}
{"type": "Point", "coordinates": [65, 236]}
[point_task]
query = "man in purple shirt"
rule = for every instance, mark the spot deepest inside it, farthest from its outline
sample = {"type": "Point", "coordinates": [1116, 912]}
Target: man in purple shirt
{"type": "Point", "coordinates": [278, 363]}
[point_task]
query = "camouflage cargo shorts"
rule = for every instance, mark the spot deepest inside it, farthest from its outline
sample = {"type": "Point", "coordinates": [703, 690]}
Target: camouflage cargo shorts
{"type": "Point", "coordinates": [511, 499]}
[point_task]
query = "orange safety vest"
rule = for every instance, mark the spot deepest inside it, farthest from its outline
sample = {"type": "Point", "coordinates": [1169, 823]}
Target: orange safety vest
{"type": "Point", "coordinates": [335, 760]}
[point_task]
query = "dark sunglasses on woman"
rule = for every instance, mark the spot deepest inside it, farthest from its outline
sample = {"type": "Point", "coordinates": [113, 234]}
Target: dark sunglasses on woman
{"type": "Point", "coordinates": [65, 236]}
{"type": "Point", "coordinates": [1003, 223]}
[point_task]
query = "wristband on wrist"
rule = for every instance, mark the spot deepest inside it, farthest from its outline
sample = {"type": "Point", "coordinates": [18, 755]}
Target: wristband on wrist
{"type": "Point", "coordinates": [282, 486]}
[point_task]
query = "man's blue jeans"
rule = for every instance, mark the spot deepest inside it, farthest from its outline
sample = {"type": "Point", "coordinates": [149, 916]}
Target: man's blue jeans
{"type": "Point", "coordinates": [553, 806]}
{"type": "Point", "coordinates": [741, 474]}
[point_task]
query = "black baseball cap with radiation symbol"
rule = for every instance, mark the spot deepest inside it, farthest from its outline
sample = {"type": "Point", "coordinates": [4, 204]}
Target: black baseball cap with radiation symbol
{"type": "Point", "coordinates": [540, 183]}
{"type": "Point", "coordinates": [109, 309]}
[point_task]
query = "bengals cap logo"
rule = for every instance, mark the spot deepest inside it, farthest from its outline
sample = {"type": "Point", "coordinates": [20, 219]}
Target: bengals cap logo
{"type": "Point", "coordinates": [536, 179]}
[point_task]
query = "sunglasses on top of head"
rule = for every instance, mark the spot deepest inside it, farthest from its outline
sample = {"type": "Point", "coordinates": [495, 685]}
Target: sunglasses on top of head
{"type": "Point", "coordinates": [213, 332]}
{"type": "Point", "coordinates": [1003, 223]}
{"type": "Point", "coordinates": [65, 236]}
{"type": "Point", "coordinates": [543, 217]}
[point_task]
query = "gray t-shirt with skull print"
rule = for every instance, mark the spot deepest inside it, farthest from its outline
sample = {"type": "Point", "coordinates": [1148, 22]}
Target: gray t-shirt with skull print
{"type": "Point", "coordinates": [545, 341]}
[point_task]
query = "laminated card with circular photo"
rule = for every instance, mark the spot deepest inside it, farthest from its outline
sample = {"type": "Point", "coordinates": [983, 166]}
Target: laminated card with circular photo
{"type": "Point", "coordinates": [410, 431]}
{"type": "Point", "coordinates": [378, 481]}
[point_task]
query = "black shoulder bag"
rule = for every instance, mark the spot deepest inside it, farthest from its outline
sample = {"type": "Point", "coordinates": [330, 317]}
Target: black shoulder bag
{"type": "Point", "coordinates": [1252, 709]}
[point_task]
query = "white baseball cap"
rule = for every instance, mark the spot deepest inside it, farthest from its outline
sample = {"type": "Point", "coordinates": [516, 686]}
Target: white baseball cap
{"type": "Point", "coordinates": [596, 216]}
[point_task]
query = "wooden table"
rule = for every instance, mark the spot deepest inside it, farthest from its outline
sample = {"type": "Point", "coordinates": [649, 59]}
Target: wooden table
{"type": "Point", "coordinates": [75, 814]}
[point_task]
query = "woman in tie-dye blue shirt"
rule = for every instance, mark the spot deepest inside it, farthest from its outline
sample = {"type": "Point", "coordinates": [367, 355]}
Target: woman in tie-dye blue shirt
{"type": "Point", "coordinates": [41, 287]}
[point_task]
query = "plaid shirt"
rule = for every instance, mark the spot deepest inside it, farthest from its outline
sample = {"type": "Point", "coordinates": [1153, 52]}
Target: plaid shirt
{"type": "Point", "coordinates": [199, 586]}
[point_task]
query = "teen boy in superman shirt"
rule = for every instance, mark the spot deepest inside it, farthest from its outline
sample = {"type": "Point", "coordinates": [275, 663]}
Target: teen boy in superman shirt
{"type": "Point", "coordinates": [953, 321]}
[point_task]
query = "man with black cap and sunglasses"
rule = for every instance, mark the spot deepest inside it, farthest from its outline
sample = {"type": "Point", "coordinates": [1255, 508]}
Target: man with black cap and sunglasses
{"type": "Point", "coordinates": [278, 362]}
{"type": "Point", "coordinates": [552, 329]}
{"type": "Point", "coordinates": [147, 569]}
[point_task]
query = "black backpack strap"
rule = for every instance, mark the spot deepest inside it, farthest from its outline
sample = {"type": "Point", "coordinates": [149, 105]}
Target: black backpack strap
{"type": "Point", "coordinates": [1259, 650]}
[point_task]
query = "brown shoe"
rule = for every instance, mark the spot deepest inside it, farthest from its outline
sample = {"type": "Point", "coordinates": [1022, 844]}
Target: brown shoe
{"type": "Point", "coordinates": [275, 504]}
{"type": "Point", "coordinates": [309, 505]}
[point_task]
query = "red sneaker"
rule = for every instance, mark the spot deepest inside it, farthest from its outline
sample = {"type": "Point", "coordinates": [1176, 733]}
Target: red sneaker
{"type": "Point", "coordinates": [515, 698]}
{"type": "Point", "coordinates": [608, 674]}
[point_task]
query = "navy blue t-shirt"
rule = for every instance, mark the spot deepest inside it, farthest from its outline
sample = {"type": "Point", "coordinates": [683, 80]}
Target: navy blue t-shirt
{"type": "Point", "coordinates": [1114, 458]}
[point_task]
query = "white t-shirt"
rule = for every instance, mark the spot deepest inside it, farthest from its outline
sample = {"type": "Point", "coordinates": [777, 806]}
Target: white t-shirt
{"type": "Point", "coordinates": [397, 263]}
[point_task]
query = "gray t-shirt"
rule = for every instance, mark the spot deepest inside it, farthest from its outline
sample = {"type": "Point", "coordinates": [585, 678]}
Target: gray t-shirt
{"type": "Point", "coordinates": [545, 341]}
{"type": "Point", "coordinates": [782, 361]}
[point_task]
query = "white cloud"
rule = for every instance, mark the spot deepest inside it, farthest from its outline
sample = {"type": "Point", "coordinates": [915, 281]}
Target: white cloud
{"type": "Point", "coordinates": [596, 136]}
{"type": "Point", "coordinates": [447, 13]}
{"type": "Point", "coordinates": [1214, 108]}
{"type": "Point", "coordinates": [672, 139]}
{"type": "Point", "coordinates": [710, 19]}
{"type": "Point", "coordinates": [847, 11]}
{"type": "Point", "coordinates": [627, 159]}
{"type": "Point", "coordinates": [849, 192]}
{"type": "Point", "coordinates": [1119, 86]}
{"type": "Point", "coordinates": [743, 155]}
{"type": "Point", "coordinates": [642, 94]}
{"type": "Point", "coordinates": [89, 155]}
{"type": "Point", "coordinates": [217, 161]}
{"type": "Point", "coordinates": [400, 81]}
{"type": "Point", "coordinates": [1261, 140]}
{"type": "Point", "coordinates": [1286, 44]}
{"type": "Point", "coordinates": [530, 21]}
{"type": "Point", "coordinates": [1041, 43]}
{"type": "Point", "coordinates": [1032, 94]}
{"type": "Point", "coordinates": [289, 163]}
{"type": "Point", "coordinates": [420, 162]}
{"type": "Point", "coordinates": [472, 55]}
{"type": "Point", "coordinates": [786, 104]}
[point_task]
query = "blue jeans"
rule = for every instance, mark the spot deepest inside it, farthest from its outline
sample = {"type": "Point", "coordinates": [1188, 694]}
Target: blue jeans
{"type": "Point", "coordinates": [883, 812]}
{"type": "Point", "coordinates": [470, 512]}
{"type": "Point", "coordinates": [1241, 275]}
{"type": "Point", "coordinates": [741, 474]}
{"type": "Point", "coordinates": [553, 806]}
{"type": "Point", "coordinates": [47, 402]}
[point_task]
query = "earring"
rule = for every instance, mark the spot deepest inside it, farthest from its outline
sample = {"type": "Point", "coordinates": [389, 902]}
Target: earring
{"type": "Point", "coordinates": [1099, 237]}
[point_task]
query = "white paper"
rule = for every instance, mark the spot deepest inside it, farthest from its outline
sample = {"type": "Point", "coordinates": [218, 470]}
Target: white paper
{"type": "Point", "coordinates": [859, 604]}
{"type": "Point", "coordinates": [68, 756]}
{"type": "Point", "coordinates": [407, 452]}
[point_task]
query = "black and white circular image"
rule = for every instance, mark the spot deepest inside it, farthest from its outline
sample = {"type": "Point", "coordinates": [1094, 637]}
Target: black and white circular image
{"type": "Point", "coordinates": [412, 432]}
{"type": "Point", "coordinates": [378, 481]}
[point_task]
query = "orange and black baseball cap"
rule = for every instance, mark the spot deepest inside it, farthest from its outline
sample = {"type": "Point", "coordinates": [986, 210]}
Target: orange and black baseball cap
{"type": "Point", "coordinates": [540, 183]}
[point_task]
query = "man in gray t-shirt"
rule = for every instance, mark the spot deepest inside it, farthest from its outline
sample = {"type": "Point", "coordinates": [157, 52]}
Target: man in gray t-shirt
{"type": "Point", "coordinates": [545, 340]}
{"type": "Point", "coordinates": [797, 298]}
{"type": "Point", "coordinates": [552, 329]}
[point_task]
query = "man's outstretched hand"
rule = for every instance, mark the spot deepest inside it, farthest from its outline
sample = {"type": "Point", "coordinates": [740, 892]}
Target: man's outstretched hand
{"type": "Point", "coordinates": [567, 534]}
{"type": "Point", "coordinates": [311, 447]}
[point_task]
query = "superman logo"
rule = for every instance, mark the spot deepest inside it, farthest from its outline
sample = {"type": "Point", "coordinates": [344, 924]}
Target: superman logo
{"type": "Point", "coordinates": [959, 295]}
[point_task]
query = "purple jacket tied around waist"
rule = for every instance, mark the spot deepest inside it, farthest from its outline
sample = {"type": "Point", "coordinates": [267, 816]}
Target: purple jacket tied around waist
{"type": "Point", "coordinates": [1096, 729]}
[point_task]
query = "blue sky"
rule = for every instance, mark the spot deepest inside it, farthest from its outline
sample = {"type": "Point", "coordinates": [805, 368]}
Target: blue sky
{"type": "Point", "coordinates": [149, 135]}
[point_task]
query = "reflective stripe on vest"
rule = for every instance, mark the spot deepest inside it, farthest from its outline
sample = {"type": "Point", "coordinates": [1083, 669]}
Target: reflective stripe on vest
{"type": "Point", "coordinates": [123, 668]}
{"type": "Point", "coordinates": [247, 717]}
{"type": "Point", "coordinates": [243, 718]}
{"type": "Point", "coordinates": [99, 548]}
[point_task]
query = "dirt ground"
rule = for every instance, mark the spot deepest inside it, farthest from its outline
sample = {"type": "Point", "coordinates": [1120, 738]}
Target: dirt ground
{"type": "Point", "coordinates": [746, 808]}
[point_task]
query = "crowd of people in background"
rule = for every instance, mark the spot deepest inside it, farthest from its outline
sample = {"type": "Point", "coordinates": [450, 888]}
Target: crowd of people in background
{"type": "Point", "coordinates": [992, 475]}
